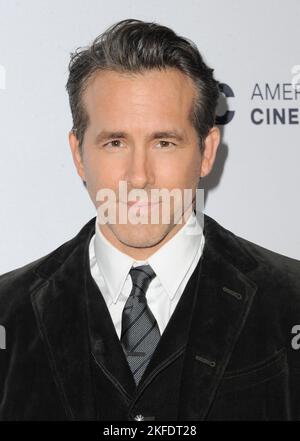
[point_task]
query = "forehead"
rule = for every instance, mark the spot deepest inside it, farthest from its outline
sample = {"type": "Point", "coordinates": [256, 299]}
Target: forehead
{"type": "Point", "coordinates": [167, 93]}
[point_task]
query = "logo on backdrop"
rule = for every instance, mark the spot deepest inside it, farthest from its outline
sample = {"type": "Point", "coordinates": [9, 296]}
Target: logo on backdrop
{"type": "Point", "coordinates": [227, 115]}
{"type": "Point", "coordinates": [274, 103]}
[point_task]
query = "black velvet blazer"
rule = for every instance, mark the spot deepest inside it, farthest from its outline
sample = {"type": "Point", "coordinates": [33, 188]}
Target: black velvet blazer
{"type": "Point", "coordinates": [242, 359]}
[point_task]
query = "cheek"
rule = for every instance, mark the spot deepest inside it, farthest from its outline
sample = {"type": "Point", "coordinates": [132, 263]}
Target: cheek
{"type": "Point", "coordinates": [98, 170]}
{"type": "Point", "coordinates": [182, 173]}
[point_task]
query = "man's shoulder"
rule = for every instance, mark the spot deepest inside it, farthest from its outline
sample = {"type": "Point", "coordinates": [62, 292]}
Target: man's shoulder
{"type": "Point", "coordinates": [257, 250]}
{"type": "Point", "coordinates": [17, 284]}
{"type": "Point", "coordinates": [270, 258]}
{"type": "Point", "coordinates": [277, 277]}
{"type": "Point", "coordinates": [266, 262]}
{"type": "Point", "coordinates": [271, 261]}
{"type": "Point", "coordinates": [274, 277]}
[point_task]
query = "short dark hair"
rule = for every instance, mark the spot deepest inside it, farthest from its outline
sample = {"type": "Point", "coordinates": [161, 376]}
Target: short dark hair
{"type": "Point", "coordinates": [137, 46]}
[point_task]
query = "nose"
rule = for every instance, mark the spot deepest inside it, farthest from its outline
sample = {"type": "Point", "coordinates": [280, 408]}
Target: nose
{"type": "Point", "coordinates": [139, 172]}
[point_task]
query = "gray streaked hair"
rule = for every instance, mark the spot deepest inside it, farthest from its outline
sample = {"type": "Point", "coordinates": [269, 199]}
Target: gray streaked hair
{"type": "Point", "coordinates": [137, 46]}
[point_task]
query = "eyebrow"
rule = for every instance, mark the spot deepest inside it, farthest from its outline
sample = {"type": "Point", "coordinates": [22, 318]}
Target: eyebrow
{"type": "Point", "coordinates": [105, 135]}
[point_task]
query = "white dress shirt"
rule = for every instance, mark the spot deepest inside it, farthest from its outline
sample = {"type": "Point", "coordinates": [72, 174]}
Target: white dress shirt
{"type": "Point", "coordinates": [173, 264]}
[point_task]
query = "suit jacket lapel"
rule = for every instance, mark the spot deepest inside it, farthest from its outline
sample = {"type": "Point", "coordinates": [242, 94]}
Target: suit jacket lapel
{"type": "Point", "coordinates": [60, 310]}
{"type": "Point", "coordinates": [106, 348]}
{"type": "Point", "coordinates": [221, 308]}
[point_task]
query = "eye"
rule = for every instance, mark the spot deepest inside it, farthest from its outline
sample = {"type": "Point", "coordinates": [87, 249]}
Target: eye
{"type": "Point", "coordinates": [113, 143]}
{"type": "Point", "coordinates": [165, 144]}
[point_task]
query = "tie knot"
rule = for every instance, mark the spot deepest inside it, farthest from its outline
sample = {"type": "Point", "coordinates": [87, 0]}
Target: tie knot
{"type": "Point", "coordinates": [141, 277]}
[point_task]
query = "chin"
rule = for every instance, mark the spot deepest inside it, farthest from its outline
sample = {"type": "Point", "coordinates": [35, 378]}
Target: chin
{"type": "Point", "coordinates": [140, 236]}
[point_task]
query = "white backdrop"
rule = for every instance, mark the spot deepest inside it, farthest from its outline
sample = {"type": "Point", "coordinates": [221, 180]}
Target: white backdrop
{"type": "Point", "coordinates": [253, 46]}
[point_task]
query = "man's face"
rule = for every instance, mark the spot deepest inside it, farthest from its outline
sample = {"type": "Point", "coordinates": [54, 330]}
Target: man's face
{"type": "Point", "coordinates": [140, 132]}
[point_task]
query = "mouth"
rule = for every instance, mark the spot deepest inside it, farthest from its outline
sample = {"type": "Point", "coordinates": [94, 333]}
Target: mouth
{"type": "Point", "coordinates": [141, 207]}
{"type": "Point", "coordinates": [139, 204]}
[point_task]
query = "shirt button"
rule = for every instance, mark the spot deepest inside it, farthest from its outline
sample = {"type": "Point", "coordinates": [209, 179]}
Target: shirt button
{"type": "Point", "coordinates": [139, 418]}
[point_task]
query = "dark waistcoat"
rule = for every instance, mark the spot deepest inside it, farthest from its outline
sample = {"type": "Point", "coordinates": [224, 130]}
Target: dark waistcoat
{"type": "Point", "coordinates": [115, 393]}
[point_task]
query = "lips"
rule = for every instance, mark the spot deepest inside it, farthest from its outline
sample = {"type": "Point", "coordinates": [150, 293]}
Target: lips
{"type": "Point", "coordinates": [141, 204]}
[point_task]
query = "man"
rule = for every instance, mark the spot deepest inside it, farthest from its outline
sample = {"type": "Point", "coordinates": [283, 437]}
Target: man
{"type": "Point", "coordinates": [149, 320]}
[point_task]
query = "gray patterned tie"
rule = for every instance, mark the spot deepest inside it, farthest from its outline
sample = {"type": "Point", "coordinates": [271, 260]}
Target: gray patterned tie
{"type": "Point", "coordinates": [140, 332]}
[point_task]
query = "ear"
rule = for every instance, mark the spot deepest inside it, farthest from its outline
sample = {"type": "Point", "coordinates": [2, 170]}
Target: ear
{"type": "Point", "coordinates": [76, 154]}
{"type": "Point", "coordinates": [211, 143]}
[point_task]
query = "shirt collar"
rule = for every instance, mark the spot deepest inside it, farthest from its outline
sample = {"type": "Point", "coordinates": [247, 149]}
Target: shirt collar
{"type": "Point", "coordinates": [171, 262]}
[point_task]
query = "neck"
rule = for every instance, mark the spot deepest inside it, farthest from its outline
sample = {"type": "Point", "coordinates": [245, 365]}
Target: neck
{"type": "Point", "coordinates": [140, 253]}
